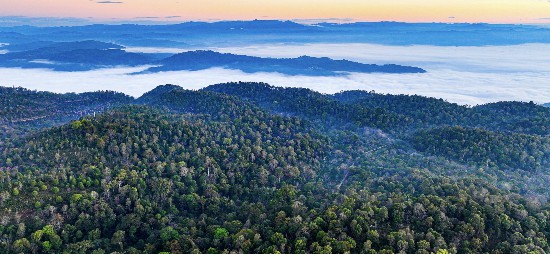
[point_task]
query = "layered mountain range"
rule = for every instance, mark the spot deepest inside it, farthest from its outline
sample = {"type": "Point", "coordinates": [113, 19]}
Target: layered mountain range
{"type": "Point", "coordinates": [89, 55]}
{"type": "Point", "coordinates": [236, 33]}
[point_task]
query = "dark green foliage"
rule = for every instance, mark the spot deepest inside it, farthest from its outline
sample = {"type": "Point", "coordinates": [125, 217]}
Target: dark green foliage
{"type": "Point", "coordinates": [430, 112]}
{"type": "Point", "coordinates": [206, 172]}
{"type": "Point", "coordinates": [422, 111]}
{"type": "Point", "coordinates": [311, 105]}
{"type": "Point", "coordinates": [514, 117]}
{"type": "Point", "coordinates": [23, 110]}
{"type": "Point", "coordinates": [486, 148]}
{"type": "Point", "coordinates": [215, 105]}
{"type": "Point", "coordinates": [397, 114]}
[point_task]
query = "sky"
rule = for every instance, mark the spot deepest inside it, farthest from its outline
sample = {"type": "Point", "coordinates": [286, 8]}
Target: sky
{"type": "Point", "coordinates": [453, 11]}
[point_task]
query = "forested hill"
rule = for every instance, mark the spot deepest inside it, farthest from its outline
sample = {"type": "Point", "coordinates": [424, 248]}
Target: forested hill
{"type": "Point", "coordinates": [251, 168]}
{"type": "Point", "coordinates": [396, 113]}
{"type": "Point", "coordinates": [508, 151]}
{"type": "Point", "coordinates": [23, 110]}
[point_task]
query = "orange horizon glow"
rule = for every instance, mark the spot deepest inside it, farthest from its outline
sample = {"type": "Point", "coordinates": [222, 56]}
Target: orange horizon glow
{"type": "Point", "coordinates": [452, 11]}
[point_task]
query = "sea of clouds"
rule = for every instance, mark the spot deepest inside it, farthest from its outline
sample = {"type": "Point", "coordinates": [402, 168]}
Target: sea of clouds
{"type": "Point", "coordinates": [465, 75]}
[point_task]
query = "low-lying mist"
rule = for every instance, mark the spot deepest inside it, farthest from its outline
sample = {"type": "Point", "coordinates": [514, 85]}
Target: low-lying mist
{"type": "Point", "coordinates": [465, 75]}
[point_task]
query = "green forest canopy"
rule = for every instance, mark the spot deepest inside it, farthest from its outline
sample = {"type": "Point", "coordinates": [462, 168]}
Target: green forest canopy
{"type": "Point", "coordinates": [252, 168]}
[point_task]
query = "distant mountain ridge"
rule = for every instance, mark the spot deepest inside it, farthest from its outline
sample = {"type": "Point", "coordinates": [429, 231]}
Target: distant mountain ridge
{"type": "Point", "coordinates": [200, 34]}
{"type": "Point", "coordinates": [303, 65]}
{"type": "Point", "coordinates": [89, 55]}
{"type": "Point", "coordinates": [73, 56]}
{"type": "Point", "coordinates": [58, 47]}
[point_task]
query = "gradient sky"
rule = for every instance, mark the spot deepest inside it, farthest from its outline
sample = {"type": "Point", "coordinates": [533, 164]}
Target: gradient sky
{"type": "Point", "coordinates": [490, 11]}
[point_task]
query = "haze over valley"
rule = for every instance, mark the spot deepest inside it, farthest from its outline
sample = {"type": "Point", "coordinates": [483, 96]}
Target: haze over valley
{"type": "Point", "coordinates": [465, 75]}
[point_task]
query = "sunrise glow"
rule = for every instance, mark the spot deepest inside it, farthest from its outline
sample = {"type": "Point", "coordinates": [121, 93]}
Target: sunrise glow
{"type": "Point", "coordinates": [490, 11]}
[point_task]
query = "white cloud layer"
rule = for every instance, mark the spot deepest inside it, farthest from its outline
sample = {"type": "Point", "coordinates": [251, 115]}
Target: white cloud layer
{"type": "Point", "coordinates": [466, 75]}
{"type": "Point", "coordinates": [3, 51]}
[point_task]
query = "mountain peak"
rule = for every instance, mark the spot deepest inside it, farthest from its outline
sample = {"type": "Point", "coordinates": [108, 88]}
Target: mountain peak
{"type": "Point", "coordinates": [152, 95]}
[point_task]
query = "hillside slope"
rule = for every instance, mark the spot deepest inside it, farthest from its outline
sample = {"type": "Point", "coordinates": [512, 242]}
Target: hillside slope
{"type": "Point", "coordinates": [23, 110]}
{"type": "Point", "coordinates": [252, 170]}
